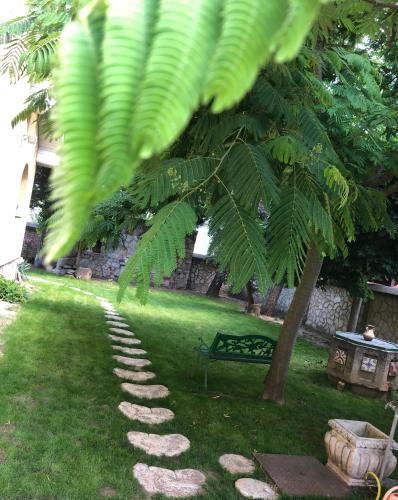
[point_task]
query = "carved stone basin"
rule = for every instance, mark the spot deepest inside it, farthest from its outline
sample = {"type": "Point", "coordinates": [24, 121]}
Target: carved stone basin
{"type": "Point", "coordinates": [355, 447]}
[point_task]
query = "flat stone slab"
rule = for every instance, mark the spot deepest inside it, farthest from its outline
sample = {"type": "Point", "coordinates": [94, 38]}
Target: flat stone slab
{"type": "Point", "coordinates": [119, 324]}
{"type": "Point", "coordinates": [114, 317]}
{"type": "Point", "coordinates": [134, 362]}
{"type": "Point", "coordinates": [146, 391]}
{"type": "Point", "coordinates": [252, 488]}
{"type": "Point", "coordinates": [129, 350]}
{"type": "Point", "coordinates": [146, 415]}
{"type": "Point", "coordinates": [236, 464]}
{"type": "Point", "coordinates": [122, 340]}
{"type": "Point", "coordinates": [301, 476]}
{"type": "Point", "coordinates": [133, 376]}
{"type": "Point", "coordinates": [121, 330]}
{"type": "Point", "coordinates": [168, 445]}
{"type": "Point", "coordinates": [171, 483]}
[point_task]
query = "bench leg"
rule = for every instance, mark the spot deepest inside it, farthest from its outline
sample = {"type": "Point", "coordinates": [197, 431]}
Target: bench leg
{"type": "Point", "coordinates": [206, 367]}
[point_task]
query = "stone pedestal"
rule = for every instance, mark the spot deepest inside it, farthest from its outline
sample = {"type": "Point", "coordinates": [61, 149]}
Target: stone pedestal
{"type": "Point", "coordinates": [370, 367]}
{"type": "Point", "coordinates": [355, 447]}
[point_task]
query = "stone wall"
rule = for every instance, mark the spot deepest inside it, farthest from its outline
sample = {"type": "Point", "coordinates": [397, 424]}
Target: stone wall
{"type": "Point", "coordinates": [180, 277]}
{"type": "Point", "coordinates": [31, 244]}
{"type": "Point", "coordinates": [109, 263]}
{"type": "Point", "coordinates": [382, 312]}
{"type": "Point", "coordinates": [329, 309]}
{"type": "Point", "coordinates": [202, 274]}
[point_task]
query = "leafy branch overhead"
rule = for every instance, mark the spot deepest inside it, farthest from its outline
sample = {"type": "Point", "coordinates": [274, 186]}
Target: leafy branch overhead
{"type": "Point", "coordinates": [130, 74]}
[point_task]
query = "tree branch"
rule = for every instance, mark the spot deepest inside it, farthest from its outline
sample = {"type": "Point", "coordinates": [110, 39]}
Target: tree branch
{"type": "Point", "coordinates": [383, 5]}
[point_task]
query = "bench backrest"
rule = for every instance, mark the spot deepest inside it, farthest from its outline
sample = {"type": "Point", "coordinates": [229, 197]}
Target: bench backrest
{"type": "Point", "coordinates": [250, 346]}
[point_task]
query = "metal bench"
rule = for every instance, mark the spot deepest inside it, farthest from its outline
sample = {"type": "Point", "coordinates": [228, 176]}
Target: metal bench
{"type": "Point", "coordinates": [241, 348]}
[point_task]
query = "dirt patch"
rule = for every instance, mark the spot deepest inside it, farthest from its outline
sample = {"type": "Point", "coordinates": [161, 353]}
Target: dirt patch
{"type": "Point", "coordinates": [24, 400]}
{"type": "Point", "coordinates": [108, 491]}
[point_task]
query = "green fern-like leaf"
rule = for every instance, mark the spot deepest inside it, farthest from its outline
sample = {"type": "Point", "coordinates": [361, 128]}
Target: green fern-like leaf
{"type": "Point", "coordinates": [337, 183]}
{"type": "Point", "coordinates": [175, 176]}
{"type": "Point", "coordinates": [302, 14]}
{"type": "Point", "coordinates": [184, 39]}
{"type": "Point", "coordinates": [159, 248]}
{"type": "Point", "coordinates": [248, 28]}
{"type": "Point", "coordinates": [238, 243]}
{"type": "Point", "coordinates": [286, 149]}
{"type": "Point", "coordinates": [249, 175]}
{"type": "Point", "coordinates": [289, 233]}
{"type": "Point", "coordinates": [125, 48]}
{"type": "Point", "coordinates": [76, 90]}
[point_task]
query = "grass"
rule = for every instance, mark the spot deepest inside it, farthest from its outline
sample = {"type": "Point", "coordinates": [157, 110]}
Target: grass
{"type": "Point", "coordinates": [62, 437]}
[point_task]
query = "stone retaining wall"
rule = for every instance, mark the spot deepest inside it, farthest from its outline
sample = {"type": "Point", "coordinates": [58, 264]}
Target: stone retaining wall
{"type": "Point", "coordinates": [202, 274]}
{"type": "Point", "coordinates": [330, 307]}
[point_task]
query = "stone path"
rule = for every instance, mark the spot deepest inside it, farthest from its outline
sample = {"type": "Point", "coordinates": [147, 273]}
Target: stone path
{"type": "Point", "coordinates": [172, 483]}
{"type": "Point", "coordinates": [146, 415]}
{"type": "Point", "coordinates": [129, 350]}
{"type": "Point", "coordinates": [123, 332]}
{"type": "Point", "coordinates": [169, 445]}
{"type": "Point", "coordinates": [252, 488]}
{"type": "Point", "coordinates": [122, 340]}
{"type": "Point", "coordinates": [236, 464]}
{"type": "Point", "coordinates": [137, 376]}
{"type": "Point", "coordinates": [146, 391]}
{"type": "Point", "coordinates": [136, 363]}
{"type": "Point", "coordinates": [118, 324]}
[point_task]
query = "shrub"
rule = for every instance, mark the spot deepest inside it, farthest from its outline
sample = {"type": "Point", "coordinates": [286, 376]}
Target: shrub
{"type": "Point", "coordinates": [12, 291]}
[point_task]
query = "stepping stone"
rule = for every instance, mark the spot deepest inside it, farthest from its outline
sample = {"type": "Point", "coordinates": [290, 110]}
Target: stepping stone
{"type": "Point", "coordinates": [121, 330]}
{"type": "Point", "coordinates": [114, 317]}
{"type": "Point", "coordinates": [129, 350]}
{"type": "Point", "coordinates": [133, 376]}
{"type": "Point", "coordinates": [122, 340]}
{"type": "Point", "coordinates": [119, 324]}
{"type": "Point", "coordinates": [236, 464]}
{"type": "Point", "coordinates": [146, 391]}
{"type": "Point", "coordinates": [87, 293]}
{"type": "Point", "coordinates": [171, 483]}
{"type": "Point", "coordinates": [146, 415]}
{"type": "Point", "coordinates": [136, 363]}
{"type": "Point", "coordinates": [103, 299]}
{"type": "Point", "coordinates": [252, 488]}
{"type": "Point", "coordinates": [168, 445]}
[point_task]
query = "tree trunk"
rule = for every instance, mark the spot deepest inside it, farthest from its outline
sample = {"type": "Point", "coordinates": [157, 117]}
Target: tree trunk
{"type": "Point", "coordinates": [250, 296]}
{"type": "Point", "coordinates": [215, 285]}
{"type": "Point", "coordinates": [275, 380]}
{"type": "Point", "coordinates": [354, 314]}
{"type": "Point", "coordinates": [271, 300]}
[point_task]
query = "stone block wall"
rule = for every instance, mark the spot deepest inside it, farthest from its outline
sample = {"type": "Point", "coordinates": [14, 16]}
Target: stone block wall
{"type": "Point", "coordinates": [382, 312]}
{"type": "Point", "coordinates": [109, 263]}
{"type": "Point", "coordinates": [329, 309]}
{"type": "Point", "coordinates": [202, 274]}
{"type": "Point", "coordinates": [31, 244]}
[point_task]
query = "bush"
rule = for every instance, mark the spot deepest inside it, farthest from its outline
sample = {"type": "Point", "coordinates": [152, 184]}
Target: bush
{"type": "Point", "coordinates": [12, 291]}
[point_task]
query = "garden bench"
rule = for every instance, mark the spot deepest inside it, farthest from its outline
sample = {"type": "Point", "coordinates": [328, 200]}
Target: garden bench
{"type": "Point", "coordinates": [241, 348]}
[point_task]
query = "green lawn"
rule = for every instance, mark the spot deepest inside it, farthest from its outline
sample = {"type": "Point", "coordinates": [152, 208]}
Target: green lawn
{"type": "Point", "coordinates": [62, 437]}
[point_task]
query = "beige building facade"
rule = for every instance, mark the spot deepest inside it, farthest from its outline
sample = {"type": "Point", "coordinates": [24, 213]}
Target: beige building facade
{"type": "Point", "coordinates": [18, 148]}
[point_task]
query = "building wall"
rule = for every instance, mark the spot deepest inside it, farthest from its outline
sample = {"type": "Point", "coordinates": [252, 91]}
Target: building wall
{"type": "Point", "coordinates": [18, 161]}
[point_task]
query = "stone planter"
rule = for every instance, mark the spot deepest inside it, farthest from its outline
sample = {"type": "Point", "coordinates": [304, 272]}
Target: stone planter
{"type": "Point", "coordinates": [354, 448]}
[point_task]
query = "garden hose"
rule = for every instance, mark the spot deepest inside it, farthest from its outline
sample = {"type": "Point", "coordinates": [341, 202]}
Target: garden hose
{"type": "Point", "coordinates": [373, 475]}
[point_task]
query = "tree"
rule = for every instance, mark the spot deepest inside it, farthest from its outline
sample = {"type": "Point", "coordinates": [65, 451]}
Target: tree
{"type": "Point", "coordinates": [292, 145]}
